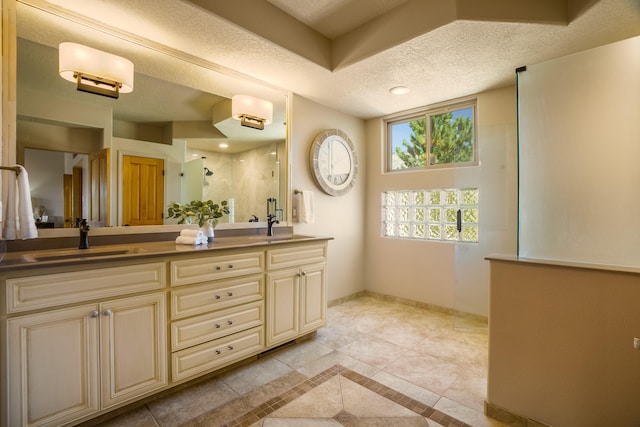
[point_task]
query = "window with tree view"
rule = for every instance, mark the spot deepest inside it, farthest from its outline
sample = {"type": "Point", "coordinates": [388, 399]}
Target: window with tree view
{"type": "Point", "coordinates": [448, 140]}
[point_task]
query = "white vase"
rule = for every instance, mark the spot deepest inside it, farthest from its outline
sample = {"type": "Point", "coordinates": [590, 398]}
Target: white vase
{"type": "Point", "coordinates": [207, 229]}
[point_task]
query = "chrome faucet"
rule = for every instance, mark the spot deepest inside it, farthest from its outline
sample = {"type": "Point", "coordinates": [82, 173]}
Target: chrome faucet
{"type": "Point", "coordinates": [271, 219]}
{"type": "Point", "coordinates": [84, 234]}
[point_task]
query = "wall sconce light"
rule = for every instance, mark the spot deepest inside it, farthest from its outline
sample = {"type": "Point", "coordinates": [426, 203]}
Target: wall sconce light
{"type": "Point", "coordinates": [252, 112]}
{"type": "Point", "coordinates": [95, 71]}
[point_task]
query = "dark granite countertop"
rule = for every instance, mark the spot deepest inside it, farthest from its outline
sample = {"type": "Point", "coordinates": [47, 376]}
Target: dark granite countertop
{"type": "Point", "coordinates": [129, 251]}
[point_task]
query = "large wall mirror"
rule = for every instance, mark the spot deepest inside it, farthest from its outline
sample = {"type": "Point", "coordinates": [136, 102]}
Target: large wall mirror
{"type": "Point", "coordinates": [81, 149]}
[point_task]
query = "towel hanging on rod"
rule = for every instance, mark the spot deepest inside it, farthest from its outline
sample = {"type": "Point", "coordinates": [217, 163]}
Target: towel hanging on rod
{"type": "Point", "coordinates": [305, 206]}
{"type": "Point", "coordinates": [18, 221]}
{"type": "Point", "coordinates": [16, 169]}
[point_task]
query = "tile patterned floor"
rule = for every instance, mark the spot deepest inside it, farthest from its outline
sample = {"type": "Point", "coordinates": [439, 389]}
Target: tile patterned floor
{"type": "Point", "coordinates": [377, 363]}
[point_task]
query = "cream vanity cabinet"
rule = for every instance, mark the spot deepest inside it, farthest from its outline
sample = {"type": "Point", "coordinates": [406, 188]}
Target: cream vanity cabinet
{"type": "Point", "coordinates": [217, 311]}
{"type": "Point", "coordinates": [98, 350]}
{"type": "Point", "coordinates": [296, 291]}
{"type": "Point", "coordinates": [84, 339]}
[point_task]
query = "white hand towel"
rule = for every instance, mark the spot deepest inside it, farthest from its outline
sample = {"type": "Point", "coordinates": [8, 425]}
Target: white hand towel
{"type": "Point", "coordinates": [9, 224]}
{"type": "Point", "coordinates": [192, 233]}
{"type": "Point", "coordinates": [188, 240]}
{"type": "Point", "coordinates": [19, 220]}
{"type": "Point", "coordinates": [305, 207]}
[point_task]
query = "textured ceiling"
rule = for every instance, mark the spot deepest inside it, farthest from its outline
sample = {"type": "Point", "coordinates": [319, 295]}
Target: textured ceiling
{"type": "Point", "coordinates": [347, 54]}
{"type": "Point", "coordinates": [334, 18]}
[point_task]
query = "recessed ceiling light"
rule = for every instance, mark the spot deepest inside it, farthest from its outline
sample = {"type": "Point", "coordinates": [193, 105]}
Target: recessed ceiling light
{"type": "Point", "coordinates": [399, 90]}
{"type": "Point", "coordinates": [223, 145]}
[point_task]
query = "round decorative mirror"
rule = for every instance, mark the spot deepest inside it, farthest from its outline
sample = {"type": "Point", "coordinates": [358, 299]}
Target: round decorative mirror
{"type": "Point", "coordinates": [333, 162]}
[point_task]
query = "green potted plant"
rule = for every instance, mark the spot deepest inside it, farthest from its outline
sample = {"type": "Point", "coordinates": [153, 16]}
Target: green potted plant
{"type": "Point", "coordinates": [204, 213]}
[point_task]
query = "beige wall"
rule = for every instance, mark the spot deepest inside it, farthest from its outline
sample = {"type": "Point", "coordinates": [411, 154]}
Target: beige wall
{"type": "Point", "coordinates": [561, 344]}
{"type": "Point", "coordinates": [339, 217]}
{"type": "Point", "coordinates": [441, 273]}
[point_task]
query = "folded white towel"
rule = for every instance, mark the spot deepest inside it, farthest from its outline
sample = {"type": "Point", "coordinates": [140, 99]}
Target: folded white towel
{"type": "Point", "coordinates": [191, 233]}
{"type": "Point", "coordinates": [188, 240]}
{"type": "Point", "coordinates": [305, 207]}
{"type": "Point", "coordinates": [18, 221]}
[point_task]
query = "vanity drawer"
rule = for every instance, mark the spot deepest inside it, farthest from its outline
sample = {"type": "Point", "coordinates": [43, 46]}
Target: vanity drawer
{"type": "Point", "coordinates": [216, 354]}
{"type": "Point", "coordinates": [197, 330]}
{"type": "Point", "coordinates": [188, 271]}
{"type": "Point", "coordinates": [296, 255]}
{"type": "Point", "coordinates": [216, 295]}
{"type": "Point", "coordinates": [49, 290]}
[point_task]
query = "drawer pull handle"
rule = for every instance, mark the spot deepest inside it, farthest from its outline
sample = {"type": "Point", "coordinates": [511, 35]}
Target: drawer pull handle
{"type": "Point", "coordinates": [229, 322]}
{"type": "Point", "coordinates": [218, 267]}
{"type": "Point", "coordinates": [230, 347]}
{"type": "Point", "coordinates": [218, 352]}
{"type": "Point", "coordinates": [230, 265]}
{"type": "Point", "coordinates": [217, 296]}
{"type": "Point", "coordinates": [230, 294]}
{"type": "Point", "coordinates": [217, 325]}
{"type": "Point", "coordinates": [107, 312]}
{"type": "Point", "coordinates": [94, 313]}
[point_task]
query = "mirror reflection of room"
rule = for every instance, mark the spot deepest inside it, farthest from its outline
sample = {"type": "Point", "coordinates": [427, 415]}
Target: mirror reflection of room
{"type": "Point", "coordinates": [81, 150]}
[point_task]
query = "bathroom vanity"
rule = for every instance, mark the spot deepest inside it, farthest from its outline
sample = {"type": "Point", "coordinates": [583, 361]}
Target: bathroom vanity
{"type": "Point", "coordinates": [86, 332]}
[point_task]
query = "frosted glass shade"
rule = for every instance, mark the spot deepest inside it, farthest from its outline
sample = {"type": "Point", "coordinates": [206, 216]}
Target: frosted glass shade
{"type": "Point", "coordinates": [76, 58]}
{"type": "Point", "coordinates": [248, 106]}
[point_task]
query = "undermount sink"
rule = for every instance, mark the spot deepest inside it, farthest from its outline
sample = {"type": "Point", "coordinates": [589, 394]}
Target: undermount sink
{"type": "Point", "coordinates": [61, 255]}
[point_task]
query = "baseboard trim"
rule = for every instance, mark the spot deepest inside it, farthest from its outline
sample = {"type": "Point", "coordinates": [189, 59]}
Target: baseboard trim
{"type": "Point", "coordinates": [509, 418]}
{"type": "Point", "coordinates": [345, 299]}
{"type": "Point", "coordinates": [411, 303]}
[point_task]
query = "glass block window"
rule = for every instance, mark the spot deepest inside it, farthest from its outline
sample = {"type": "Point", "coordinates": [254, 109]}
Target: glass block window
{"type": "Point", "coordinates": [439, 214]}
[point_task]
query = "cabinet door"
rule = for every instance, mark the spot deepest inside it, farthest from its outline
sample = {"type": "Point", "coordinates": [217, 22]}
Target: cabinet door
{"type": "Point", "coordinates": [133, 339]}
{"type": "Point", "coordinates": [283, 302]}
{"type": "Point", "coordinates": [53, 366]}
{"type": "Point", "coordinates": [313, 298]}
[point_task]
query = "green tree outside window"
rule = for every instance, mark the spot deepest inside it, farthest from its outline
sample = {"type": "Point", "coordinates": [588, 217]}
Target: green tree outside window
{"type": "Point", "coordinates": [451, 140]}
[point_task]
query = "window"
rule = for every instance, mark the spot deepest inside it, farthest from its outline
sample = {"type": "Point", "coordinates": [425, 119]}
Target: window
{"type": "Point", "coordinates": [448, 140]}
{"type": "Point", "coordinates": [438, 214]}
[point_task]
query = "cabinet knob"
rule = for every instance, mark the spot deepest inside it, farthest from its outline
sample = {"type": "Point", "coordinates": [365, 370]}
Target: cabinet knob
{"type": "Point", "coordinates": [230, 294]}
{"type": "Point", "coordinates": [304, 273]}
{"type": "Point", "coordinates": [107, 312]}
{"type": "Point", "coordinates": [217, 297]}
{"type": "Point", "coordinates": [230, 347]}
{"type": "Point", "coordinates": [230, 266]}
{"type": "Point", "coordinates": [218, 352]}
{"type": "Point", "coordinates": [229, 322]}
{"type": "Point", "coordinates": [218, 267]}
{"type": "Point", "coordinates": [217, 325]}
{"type": "Point", "coordinates": [94, 313]}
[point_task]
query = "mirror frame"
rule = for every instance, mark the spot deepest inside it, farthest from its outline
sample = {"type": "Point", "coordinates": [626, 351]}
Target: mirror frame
{"type": "Point", "coordinates": [8, 148]}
